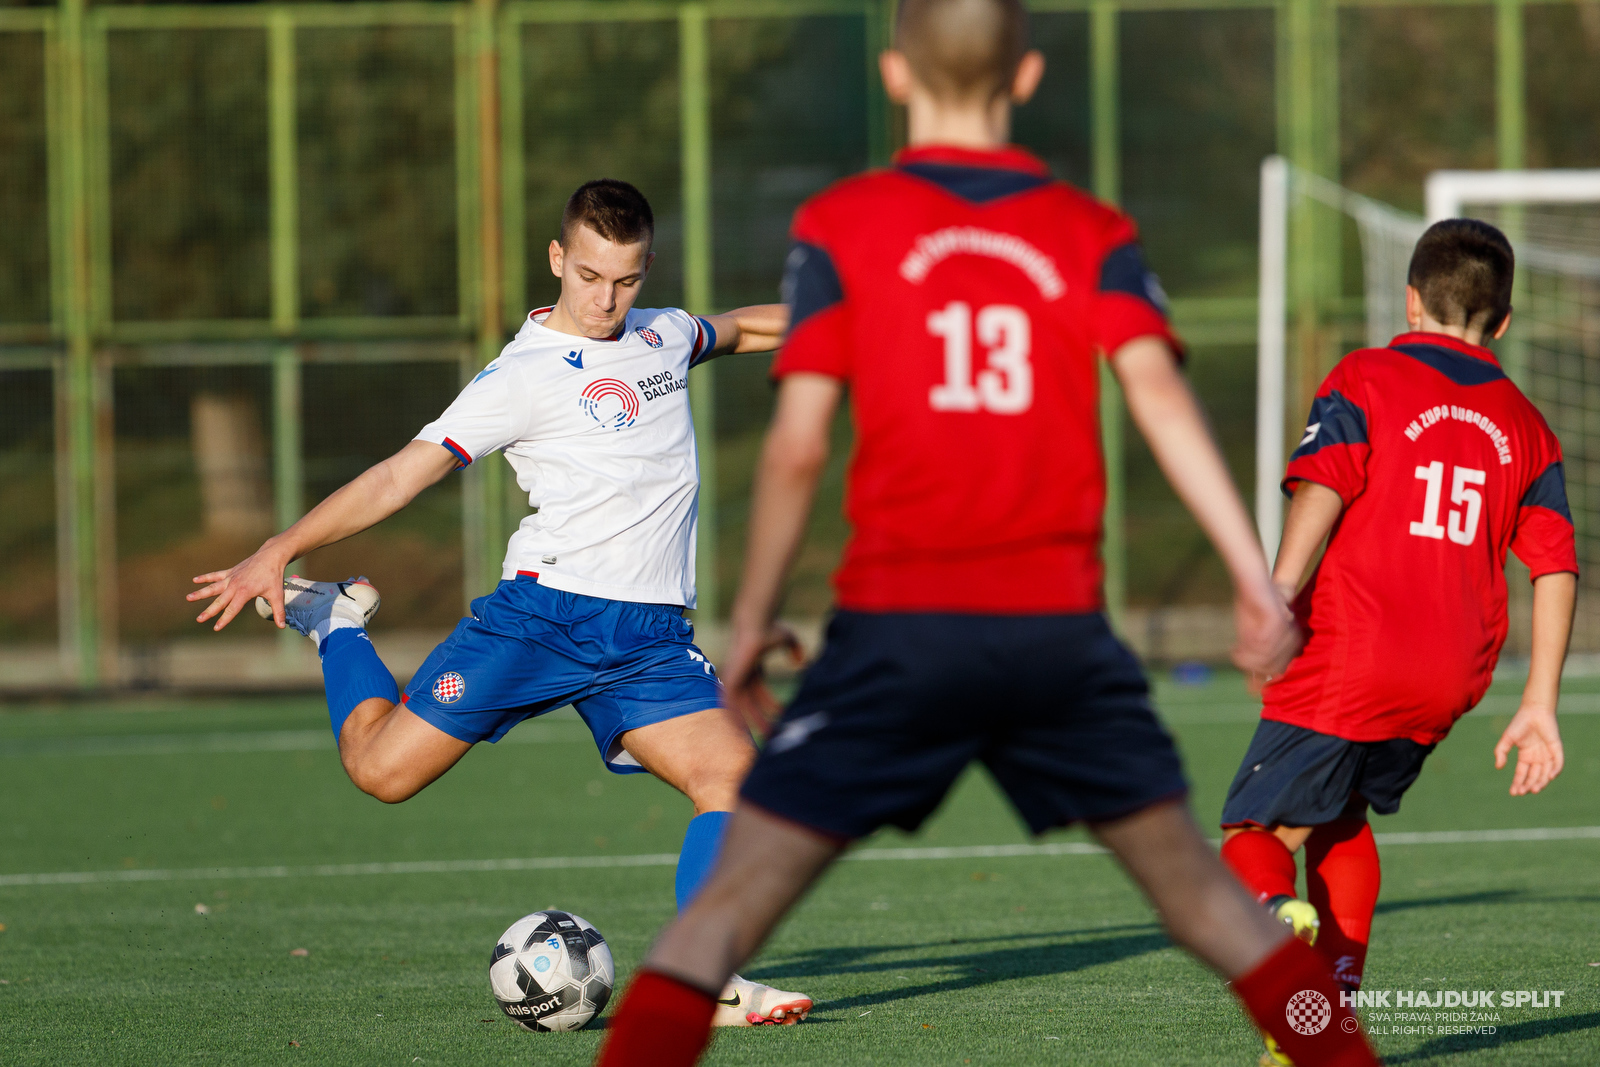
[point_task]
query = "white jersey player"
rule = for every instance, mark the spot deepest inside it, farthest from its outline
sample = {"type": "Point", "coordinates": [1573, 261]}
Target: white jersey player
{"type": "Point", "coordinates": [590, 405]}
{"type": "Point", "coordinates": [601, 437]}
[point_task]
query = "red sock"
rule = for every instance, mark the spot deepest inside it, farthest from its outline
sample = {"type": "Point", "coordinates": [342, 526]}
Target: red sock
{"type": "Point", "coordinates": [1262, 862]}
{"type": "Point", "coordinates": [1342, 878]}
{"type": "Point", "coordinates": [1290, 988]}
{"type": "Point", "coordinates": [662, 1022]}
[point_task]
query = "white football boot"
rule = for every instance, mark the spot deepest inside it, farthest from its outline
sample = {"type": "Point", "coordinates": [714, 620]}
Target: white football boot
{"type": "Point", "coordinates": [316, 608]}
{"type": "Point", "coordinates": [746, 1003]}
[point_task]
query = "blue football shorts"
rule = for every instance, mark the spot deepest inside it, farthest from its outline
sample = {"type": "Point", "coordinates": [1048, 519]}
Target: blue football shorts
{"type": "Point", "coordinates": [527, 649]}
{"type": "Point", "coordinates": [899, 704]}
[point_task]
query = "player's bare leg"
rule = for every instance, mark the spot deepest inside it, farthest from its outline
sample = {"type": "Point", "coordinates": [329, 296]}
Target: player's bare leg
{"type": "Point", "coordinates": [766, 865]}
{"type": "Point", "coordinates": [706, 756]}
{"type": "Point", "coordinates": [391, 753]}
{"type": "Point", "coordinates": [1204, 907]}
{"type": "Point", "coordinates": [1207, 911]}
{"type": "Point", "coordinates": [387, 750]}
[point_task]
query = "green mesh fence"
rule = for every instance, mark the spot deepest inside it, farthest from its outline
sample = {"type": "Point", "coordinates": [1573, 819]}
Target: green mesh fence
{"type": "Point", "coordinates": [787, 107]}
{"type": "Point", "coordinates": [27, 510]}
{"type": "Point", "coordinates": [599, 100]}
{"type": "Point", "coordinates": [187, 174]}
{"type": "Point", "coordinates": [376, 146]}
{"type": "Point", "coordinates": [248, 246]}
{"type": "Point", "coordinates": [24, 181]}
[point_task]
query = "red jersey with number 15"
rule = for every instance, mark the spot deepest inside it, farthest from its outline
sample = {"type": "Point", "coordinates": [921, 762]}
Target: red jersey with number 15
{"type": "Point", "coordinates": [1443, 465]}
{"type": "Point", "coordinates": [965, 297]}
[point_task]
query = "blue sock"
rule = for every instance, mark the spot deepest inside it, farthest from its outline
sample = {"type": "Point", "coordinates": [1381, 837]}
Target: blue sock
{"type": "Point", "coordinates": [700, 845]}
{"type": "Point", "coordinates": [351, 673]}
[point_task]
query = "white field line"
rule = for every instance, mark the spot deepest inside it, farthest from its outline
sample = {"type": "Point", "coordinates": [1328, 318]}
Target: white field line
{"type": "Point", "coordinates": [667, 859]}
{"type": "Point", "coordinates": [1204, 712]}
{"type": "Point", "coordinates": [241, 741]}
{"type": "Point", "coordinates": [566, 732]}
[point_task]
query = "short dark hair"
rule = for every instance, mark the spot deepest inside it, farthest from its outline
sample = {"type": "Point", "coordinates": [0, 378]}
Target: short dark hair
{"type": "Point", "coordinates": [611, 208]}
{"type": "Point", "coordinates": [960, 49]}
{"type": "Point", "coordinates": [1463, 268]}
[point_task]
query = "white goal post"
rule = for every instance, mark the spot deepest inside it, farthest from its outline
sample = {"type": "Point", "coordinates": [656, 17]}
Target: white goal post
{"type": "Point", "coordinates": [1559, 256]}
{"type": "Point", "coordinates": [1448, 191]}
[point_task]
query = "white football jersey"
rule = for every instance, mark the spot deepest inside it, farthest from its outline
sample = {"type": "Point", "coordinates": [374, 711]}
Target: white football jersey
{"type": "Point", "coordinates": [602, 440]}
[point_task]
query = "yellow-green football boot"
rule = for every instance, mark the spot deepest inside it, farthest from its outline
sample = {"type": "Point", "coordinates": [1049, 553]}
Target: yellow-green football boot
{"type": "Point", "coordinates": [1298, 915]}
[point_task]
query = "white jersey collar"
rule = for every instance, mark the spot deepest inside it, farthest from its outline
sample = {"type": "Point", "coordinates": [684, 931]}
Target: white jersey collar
{"type": "Point", "coordinates": [535, 323]}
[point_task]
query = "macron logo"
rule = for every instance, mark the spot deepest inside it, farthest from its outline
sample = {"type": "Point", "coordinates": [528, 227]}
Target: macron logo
{"type": "Point", "coordinates": [1311, 434]}
{"type": "Point", "coordinates": [574, 359]}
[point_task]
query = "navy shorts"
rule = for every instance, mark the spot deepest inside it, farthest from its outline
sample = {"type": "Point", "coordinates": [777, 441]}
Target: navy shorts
{"type": "Point", "coordinates": [527, 649]}
{"type": "Point", "coordinates": [1293, 776]}
{"type": "Point", "coordinates": [899, 704]}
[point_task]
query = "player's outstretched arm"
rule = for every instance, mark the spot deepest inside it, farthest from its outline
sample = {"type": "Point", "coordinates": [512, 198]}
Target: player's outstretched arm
{"type": "Point", "coordinates": [757, 328]}
{"type": "Point", "coordinates": [1169, 417]}
{"type": "Point", "coordinates": [372, 497]}
{"type": "Point", "coordinates": [1312, 513]}
{"type": "Point", "coordinates": [1533, 730]}
{"type": "Point", "coordinates": [792, 460]}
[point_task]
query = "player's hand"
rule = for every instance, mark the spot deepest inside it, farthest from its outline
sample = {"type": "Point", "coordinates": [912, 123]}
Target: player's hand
{"type": "Point", "coordinates": [744, 677]}
{"type": "Point", "coordinates": [1537, 739]}
{"type": "Point", "coordinates": [260, 575]}
{"type": "Point", "coordinates": [1267, 635]}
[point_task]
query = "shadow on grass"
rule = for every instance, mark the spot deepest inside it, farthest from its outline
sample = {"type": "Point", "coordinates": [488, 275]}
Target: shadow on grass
{"type": "Point", "coordinates": [1456, 1044]}
{"type": "Point", "coordinates": [1488, 896]}
{"type": "Point", "coordinates": [1088, 948]}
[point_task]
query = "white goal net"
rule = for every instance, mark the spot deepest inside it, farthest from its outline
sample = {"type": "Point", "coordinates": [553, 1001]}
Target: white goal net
{"type": "Point", "coordinates": [1552, 350]}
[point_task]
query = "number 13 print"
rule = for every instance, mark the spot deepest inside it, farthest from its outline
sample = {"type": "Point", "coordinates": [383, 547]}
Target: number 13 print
{"type": "Point", "coordinates": [1005, 385]}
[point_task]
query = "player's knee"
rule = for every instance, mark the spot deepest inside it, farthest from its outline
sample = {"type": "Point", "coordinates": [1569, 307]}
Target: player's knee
{"type": "Point", "coordinates": [714, 783]}
{"type": "Point", "coordinates": [378, 780]}
{"type": "Point", "coordinates": [389, 790]}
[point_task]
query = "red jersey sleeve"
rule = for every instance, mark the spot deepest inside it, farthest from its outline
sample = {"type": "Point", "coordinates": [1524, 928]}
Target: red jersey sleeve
{"type": "Point", "coordinates": [1334, 450]}
{"type": "Point", "coordinates": [1128, 300]}
{"type": "Point", "coordinates": [1544, 537]}
{"type": "Point", "coordinates": [818, 337]}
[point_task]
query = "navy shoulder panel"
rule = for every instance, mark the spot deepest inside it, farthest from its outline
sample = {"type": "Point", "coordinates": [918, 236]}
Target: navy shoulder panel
{"type": "Point", "coordinates": [1124, 271]}
{"type": "Point", "coordinates": [810, 282]}
{"type": "Point", "coordinates": [1549, 490]}
{"type": "Point", "coordinates": [1458, 367]}
{"type": "Point", "coordinates": [1335, 420]}
{"type": "Point", "coordinates": [980, 185]}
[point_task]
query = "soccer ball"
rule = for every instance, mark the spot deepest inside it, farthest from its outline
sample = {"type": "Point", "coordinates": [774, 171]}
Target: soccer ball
{"type": "Point", "coordinates": [551, 971]}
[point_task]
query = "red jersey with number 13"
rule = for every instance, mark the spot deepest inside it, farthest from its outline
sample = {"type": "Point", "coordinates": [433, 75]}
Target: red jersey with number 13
{"type": "Point", "coordinates": [965, 297]}
{"type": "Point", "coordinates": [1443, 465]}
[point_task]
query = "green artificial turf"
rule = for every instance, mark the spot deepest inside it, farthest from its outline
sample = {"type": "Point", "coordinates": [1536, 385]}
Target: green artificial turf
{"type": "Point", "coordinates": [1031, 959]}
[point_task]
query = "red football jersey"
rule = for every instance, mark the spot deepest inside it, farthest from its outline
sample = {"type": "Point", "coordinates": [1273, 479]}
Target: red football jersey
{"type": "Point", "coordinates": [964, 296]}
{"type": "Point", "coordinates": [1443, 465]}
